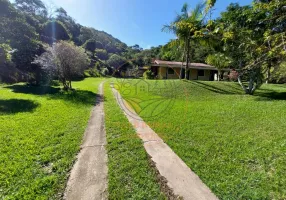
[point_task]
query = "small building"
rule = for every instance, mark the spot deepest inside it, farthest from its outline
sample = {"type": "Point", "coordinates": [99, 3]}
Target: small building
{"type": "Point", "coordinates": [176, 70]}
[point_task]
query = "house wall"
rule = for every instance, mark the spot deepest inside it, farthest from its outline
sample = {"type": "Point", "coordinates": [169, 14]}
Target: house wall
{"type": "Point", "coordinates": [163, 70]}
{"type": "Point", "coordinates": [176, 75]}
{"type": "Point", "coordinates": [193, 74]}
{"type": "Point", "coordinates": [206, 77]}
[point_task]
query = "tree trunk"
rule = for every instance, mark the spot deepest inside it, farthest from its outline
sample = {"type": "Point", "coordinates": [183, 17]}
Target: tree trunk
{"type": "Point", "coordinates": [188, 58]}
{"type": "Point", "coordinates": [181, 72]}
{"type": "Point", "coordinates": [251, 86]}
{"type": "Point", "coordinates": [241, 84]}
{"type": "Point", "coordinates": [70, 84]}
{"type": "Point", "coordinates": [66, 87]}
{"type": "Point", "coordinates": [268, 72]}
{"type": "Point", "coordinates": [65, 84]}
{"type": "Point", "coordinates": [218, 75]}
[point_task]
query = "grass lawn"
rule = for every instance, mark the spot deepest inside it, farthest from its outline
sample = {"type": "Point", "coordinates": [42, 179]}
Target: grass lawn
{"type": "Point", "coordinates": [236, 143]}
{"type": "Point", "coordinates": [129, 173]}
{"type": "Point", "coordinates": [41, 129]}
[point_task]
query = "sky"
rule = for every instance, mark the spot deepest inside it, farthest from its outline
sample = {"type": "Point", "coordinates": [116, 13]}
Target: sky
{"type": "Point", "coordinates": [132, 21]}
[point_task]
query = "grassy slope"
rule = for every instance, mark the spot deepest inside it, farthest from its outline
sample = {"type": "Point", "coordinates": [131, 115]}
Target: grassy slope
{"type": "Point", "coordinates": [129, 174]}
{"type": "Point", "coordinates": [40, 134]}
{"type": "Point", "coordinates": [236, 143]}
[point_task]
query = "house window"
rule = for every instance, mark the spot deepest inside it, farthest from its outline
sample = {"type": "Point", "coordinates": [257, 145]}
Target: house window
{"type": "Point", "coordinates": [201, 72]}
{"type": "Point", "coordinates": [171, 71]}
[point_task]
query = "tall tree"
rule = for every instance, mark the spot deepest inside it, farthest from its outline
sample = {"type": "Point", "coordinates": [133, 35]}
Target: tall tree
{"type": "Point", "coordinates": [116, 61]}
{"type": "Point", "coordinates": [187, 26]}
{"type": "Point", "coordinates": [34, 7]}
{"type": "Point", "coordinates": [253, 37]}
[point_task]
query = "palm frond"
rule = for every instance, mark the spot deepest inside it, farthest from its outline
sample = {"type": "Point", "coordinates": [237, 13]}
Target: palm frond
{"type": "Point", "coordinates": [197, 13]}
{"type": "Point", "coordinates": [209, 5]}
{"type": "Point", "coordinates": [185, 9]}
{"type": "Point", "coordinates": [178, 18]}
{"type": "Point", "coordinates": [169, 28]}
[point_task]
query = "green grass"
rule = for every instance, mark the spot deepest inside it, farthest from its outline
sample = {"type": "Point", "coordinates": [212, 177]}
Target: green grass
{"type": "Point", "coordinates": [236, 143]}
{"type": "Point", "coordinates": [129, 173]}
{"type": "Point", "coordinates": [40, 135]}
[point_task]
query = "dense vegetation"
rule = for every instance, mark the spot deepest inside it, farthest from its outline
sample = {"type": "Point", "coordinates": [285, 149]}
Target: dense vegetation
{"type": "Point", "coordinates": [252, 37]}
{"type": "Point", "coordinates": [40, 28]}
{"type": "Point", "coordinates": [41, 132]}
{"type": "Point", "coordinates": [234, 142]}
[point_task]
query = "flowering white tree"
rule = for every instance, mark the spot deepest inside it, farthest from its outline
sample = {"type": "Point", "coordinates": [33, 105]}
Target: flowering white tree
{"type": "Point", "coordinates": [64, 60]}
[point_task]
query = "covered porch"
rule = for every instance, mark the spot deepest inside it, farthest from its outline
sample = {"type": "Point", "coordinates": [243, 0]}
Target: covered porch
{"type": "Point", "coordinates": [175, 70]}
{"type": "Point", "coordinates": [177, 73]}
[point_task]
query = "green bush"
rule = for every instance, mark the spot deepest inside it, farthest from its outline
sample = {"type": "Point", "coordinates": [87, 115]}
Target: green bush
{"type": "Point", "coordinates": [93, 72]}
{"type": "Point", "coordinates": [55, 83]}
{"type": "Point", "coordinates": [104, 71]}
{"type": "Point", "coordinates": [148, 75]}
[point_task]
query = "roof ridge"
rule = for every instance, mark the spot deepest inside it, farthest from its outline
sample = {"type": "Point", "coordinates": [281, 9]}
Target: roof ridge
{"type": "Point", "coordinates": [179, 62]}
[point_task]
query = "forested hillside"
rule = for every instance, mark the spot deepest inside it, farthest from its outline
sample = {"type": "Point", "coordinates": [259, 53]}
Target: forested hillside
{"type": "Point", "coordinates": [29, 27]}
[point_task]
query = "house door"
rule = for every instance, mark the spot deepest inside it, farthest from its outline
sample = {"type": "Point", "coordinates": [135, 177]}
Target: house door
{"type": "Point", "coordinates": [188, 74]}
{"type": "Point", "coordinates": [154, 70]}
{"type": "Point", "coordinates": [212, 75]}
{"type": "Point", "coordinates": [183, 73]}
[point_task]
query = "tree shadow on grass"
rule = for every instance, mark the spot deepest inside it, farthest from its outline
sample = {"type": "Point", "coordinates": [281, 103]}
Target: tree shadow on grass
{"type": "Point", "coordinates": [12, 106]}
{"type": "Point", "coordinates": [214, 88]}
{"type": "Point", "coordinates": [262, 94]}
{"type": "Point", "coordinates": [270, 95]}
{"type": "Point", "coordinates": [36, 90]}
{"type": "Point", "coordinates": [75, 96]}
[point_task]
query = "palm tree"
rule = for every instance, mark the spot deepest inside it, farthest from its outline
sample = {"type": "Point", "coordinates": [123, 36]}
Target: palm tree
{"type": "Point", "coordinates": [186, 25]}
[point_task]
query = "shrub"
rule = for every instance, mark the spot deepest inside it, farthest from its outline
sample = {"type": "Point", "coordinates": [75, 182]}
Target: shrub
{"type": "Point", "coordinates": [4, 55]}
{"type": "Point", "coordinates": [148, 74]}
{"type": "Point", "coordinates": [10, 74]}
{"type": "Point", "coordinates": [93, 72]}
{"type": "Point", "coordinates": [55, 83]}
{"type": "Point", "coordinates": [279, 74]}
{"type": "Point", "coordinates": [233, 76]}
{"type": "Point", "coordinates": [104, 71]}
